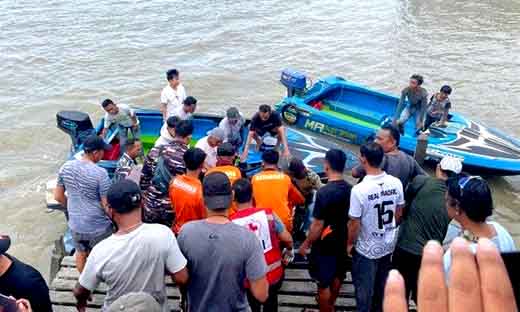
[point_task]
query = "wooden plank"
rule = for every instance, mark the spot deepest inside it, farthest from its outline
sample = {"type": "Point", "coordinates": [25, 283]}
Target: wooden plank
{"type": "Point", "coordinates": [63, 285]}
{"type": "Point", "coordinates": [310, 289]}
{"type": "Point", "coordinates": [66, 298]}
{"type": "Point", "coordinates": [63, 308]}
{"type": "Point", "coordinates": [310, 302]}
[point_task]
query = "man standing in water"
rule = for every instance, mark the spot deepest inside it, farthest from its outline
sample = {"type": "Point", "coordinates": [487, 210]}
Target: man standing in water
{"type": "Point", "coordinates": [86, 201]}
{"type": "Point", "coordinates": [173, 95]}
{"type": "Point", "coordinates": [417, 97]}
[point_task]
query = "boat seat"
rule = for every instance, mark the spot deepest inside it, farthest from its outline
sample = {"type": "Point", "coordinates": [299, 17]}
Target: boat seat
{"type": "Point", "coordinates": [354, 111]}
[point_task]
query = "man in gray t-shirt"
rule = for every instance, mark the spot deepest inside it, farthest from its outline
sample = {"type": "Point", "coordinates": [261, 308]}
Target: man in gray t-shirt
{"type": "Point", "coordinates": [395, 162]}
{"type": "Point", "coordinates": [86, 185]}
{"type": "Point", "coordinates": [417, 97]}
{"type": "Point", "coordinates": [221, 255]}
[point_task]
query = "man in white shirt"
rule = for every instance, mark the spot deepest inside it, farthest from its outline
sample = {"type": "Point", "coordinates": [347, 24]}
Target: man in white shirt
{"type": "Point", "coordinates": [134, 259]}
{"type": "Point", "coordinates": [186, 110]}
{"type": "Point", "coordinates": [172, 95]}
{"type": "Point", "coordinates": [376, 206]}
{"type": "Point", "coordinates": [209, 144]}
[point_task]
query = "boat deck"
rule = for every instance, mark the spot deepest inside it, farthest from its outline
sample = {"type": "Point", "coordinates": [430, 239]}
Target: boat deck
{"type": "Point", "coordinates": [297, 293]}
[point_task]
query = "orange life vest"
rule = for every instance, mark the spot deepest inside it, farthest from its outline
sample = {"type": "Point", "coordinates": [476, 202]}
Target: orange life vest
{"type": "Point", "coordinates": [261, 222]}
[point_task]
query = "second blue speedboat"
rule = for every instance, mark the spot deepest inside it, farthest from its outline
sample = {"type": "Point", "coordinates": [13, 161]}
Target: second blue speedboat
{"type": "Point", "coordinates": [350, 112]}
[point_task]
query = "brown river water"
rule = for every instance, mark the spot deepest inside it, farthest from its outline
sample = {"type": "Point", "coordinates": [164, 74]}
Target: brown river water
{"type": "Point", "coordinates": [58, 55]}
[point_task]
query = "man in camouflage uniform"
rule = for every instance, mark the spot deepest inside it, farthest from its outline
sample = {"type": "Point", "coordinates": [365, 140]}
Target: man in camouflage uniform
{"type": "Point", "coordinates": [169, 157]}
{"type": "Point", "coordinates": [127, 163]}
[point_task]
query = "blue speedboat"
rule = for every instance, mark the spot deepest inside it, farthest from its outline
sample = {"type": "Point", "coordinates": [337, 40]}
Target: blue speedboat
{"type": "Point", "coordinates": [351, 112]}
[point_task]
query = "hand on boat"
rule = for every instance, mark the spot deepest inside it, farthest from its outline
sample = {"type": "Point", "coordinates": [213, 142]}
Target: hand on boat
{"type": "Point", "coordinates": [477, 282]}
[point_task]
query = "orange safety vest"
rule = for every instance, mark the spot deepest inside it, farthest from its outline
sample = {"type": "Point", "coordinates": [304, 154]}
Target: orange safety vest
{"type": "Point", "coordinates": [261, 223]}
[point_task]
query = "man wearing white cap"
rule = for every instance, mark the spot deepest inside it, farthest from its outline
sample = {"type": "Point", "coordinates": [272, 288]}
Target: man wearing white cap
{"type": "Point", "coordinates": [426, 219]}
{"type": "Point", "coordinates": [209, 145]}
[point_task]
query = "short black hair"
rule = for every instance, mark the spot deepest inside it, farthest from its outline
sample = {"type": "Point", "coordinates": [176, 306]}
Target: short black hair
{"type": "Point", "coordinates": [336, 159]}
{"type": "Point", "coordinates": [194, 158]}
{"type": "Point", "coordinates": [172, 121]}
{"type": "Point", "coordinates": [271, 157]}
{"type": "Point", "coordinates": [130, 142]}
{"type": "Point", "coordinates": [189, 101]}
{"type": "Point", "coordinates": [184, 128]}
{"type": "Point", "coordinates": [297, 168]}
{"type": "Point", "coordinates": [124, 196]}
{"type": "Point", "coordinates": [373, 153]}
{"type": "Point", "coordinates": [394, 132]}
{"type": "Point", "coordinates": [446, 89]}
{"type": "Point", "coordinates": [172, 74]}
{"type": "Point", "coordinates": [474, 199]}
{"type": "Point", "coordinates": [243, 191]}
{"type": "Point", "coordinates": [264, 108]}
{"type": "Point", "coordinates": [417, 77]}
{"type": "Point", "coordinates": [107, 102]}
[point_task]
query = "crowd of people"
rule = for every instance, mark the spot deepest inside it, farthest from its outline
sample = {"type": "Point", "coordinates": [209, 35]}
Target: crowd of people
{"type": "Point", "coordinates": [225, 239]}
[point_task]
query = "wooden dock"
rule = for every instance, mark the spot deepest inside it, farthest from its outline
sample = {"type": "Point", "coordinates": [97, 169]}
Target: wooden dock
{"type": "Point", "coordinates": [297, 294]}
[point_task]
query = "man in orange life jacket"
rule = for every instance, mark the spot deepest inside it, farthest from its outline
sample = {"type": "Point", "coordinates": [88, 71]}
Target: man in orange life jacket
{"type": "Point", "coordinates": [271, 232]}
{"type": "Point", "coordinates": [274, 189]}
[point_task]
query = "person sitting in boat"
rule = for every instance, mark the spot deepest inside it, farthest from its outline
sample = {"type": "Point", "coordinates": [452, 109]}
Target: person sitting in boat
{"type": "Point", "coordinates": [173, 94]}
{"type": "Point", "coordinates": [168, 132]}
{"type": "Point", "coordinates": [186, 110]}
{"type": "Point", "coordinates": [127, 167]}
{"type": "Point", "coordinates": [439, 107]}
{"type": "Point", "coordinates": [232, 125]}
{"type": "Point", "coordinates": [417, 97]}
{"type": "Point", "coordinates": [123, 117]}
{"type": "Point", "coordinates": [266, 122]}
{"type": "Point", "coordinates": [209, 144]}
{"type": "Point", "coordinates": [470, 203]}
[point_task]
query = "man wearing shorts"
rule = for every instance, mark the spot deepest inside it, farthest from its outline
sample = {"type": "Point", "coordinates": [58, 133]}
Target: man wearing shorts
{"type": "Point", "coordinates": [87, 185]}
{"type": "Point", "coordinates": [328, 232]}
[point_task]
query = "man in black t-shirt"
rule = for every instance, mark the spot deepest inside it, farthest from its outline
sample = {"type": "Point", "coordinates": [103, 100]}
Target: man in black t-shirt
{"type": "Point", "coordinates": [266, 122]}
{"type": "Point", "coordinates": [328, 232]}
{"type": "Point", "coordinates": [22, 281]}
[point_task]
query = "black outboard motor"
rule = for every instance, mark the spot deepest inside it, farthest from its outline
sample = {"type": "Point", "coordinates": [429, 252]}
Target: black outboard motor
{"type": "Point", "coordinates": [294, 81]}
{"type": "Point", "coordinates": [77, 125]}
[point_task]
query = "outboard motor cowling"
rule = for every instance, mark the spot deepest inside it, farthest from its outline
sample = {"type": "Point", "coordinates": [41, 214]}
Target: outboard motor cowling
{"type": "Point", "coordinates": [294, 81]}
{"type": "Point", "coordinates": [76, 124]}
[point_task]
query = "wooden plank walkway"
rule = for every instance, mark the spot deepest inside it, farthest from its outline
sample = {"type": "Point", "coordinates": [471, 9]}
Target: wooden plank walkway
{"type": "Point", "coordinates": [297, 293]}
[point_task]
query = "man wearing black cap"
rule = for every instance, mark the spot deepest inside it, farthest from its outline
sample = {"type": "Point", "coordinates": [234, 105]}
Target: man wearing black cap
{"type": "Point", "coordinates": [221, 255]}
{"type": "Point", "coordinates": [135, 258]}
{"type": "Point", "coordinates": [86, 185]}
{"type": "Point", "coordinates": [21, 280]}
{"type": "Point", "coordinates": [226, 156]}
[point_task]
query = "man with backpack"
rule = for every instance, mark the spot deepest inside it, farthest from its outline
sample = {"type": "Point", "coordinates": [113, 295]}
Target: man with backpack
{"type": "Point", "coordinates": [161, 164]}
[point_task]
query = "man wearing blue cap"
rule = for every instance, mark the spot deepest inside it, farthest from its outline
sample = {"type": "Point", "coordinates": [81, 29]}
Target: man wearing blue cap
{"type": "Point", "coordinates": [86, 200]}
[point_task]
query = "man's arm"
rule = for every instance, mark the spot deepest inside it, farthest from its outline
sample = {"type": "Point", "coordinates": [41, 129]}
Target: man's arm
{"type": "Point", "coordinates": [82, 296]}
{"type": "Point", "coordinates": [446, 113]}
{"type": "Point", "coordinates": [164, 110]}
{"type": "Point", "coordinates": [260, 289]}
{"type": "Point", "coordinates": [422, 108]}
{"type": "Point", "coordinates": [358, 172]}
{"type": "Point", "coordinates": [400, 105]}
{"type": "Point", "coordinates": [59, 195]}
{"type": "Point", "coordinates": [315, 231]}
{"type": "Point", "coordinates": [181, 277]}
{"type": "Point", "coordinates": [353, 226]}
{"type": "Point", "coordinates": [283, 138]}
{"type": "Point", "coordinates": [245, 153]}
{"type": "Point", "coordinates": [399, 210]}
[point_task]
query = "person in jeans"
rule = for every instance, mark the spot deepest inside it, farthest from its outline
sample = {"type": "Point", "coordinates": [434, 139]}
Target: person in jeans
{"type": "Point", "coordinates": [86, 185]}
{"type": "Point", "coordinates": [221, 255]}
{"type": "Point", "coordinates": [417, 97]}
{"type": "Point", "coordinates": [376, 206]}
{"type": "Point", "coordinates": [122, 116]}
{"type": "Point", "coordinates": [272, 234]}
{"type": "Point", "coordinates": [426, 219]}
{"type": "Point", "coordinates": [328, 232]}
{"type": "Point", "coordinates": [136, 258]}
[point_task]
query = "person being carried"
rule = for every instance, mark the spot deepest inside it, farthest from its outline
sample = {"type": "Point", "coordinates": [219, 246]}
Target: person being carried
{"type": "Point", "coordinates": [308, 182]}
{"type": "Point", "coordinates": [173, 94]}
{"type": "Point", "coordinates": [160, 166]}
{"type": "Point", "coordinates": [86, 185]}
{"type": "Point", "coordinates": [271, 233]}
{"type": "Point", "coordinates": [136, 258]}
{"type": "Point", "coordinates": [187, 109]}
{"type": "Point", "coordinates": [417, 97]}
{"type": "Point", "coordinates": [274, 189]}
{"type": "Point", "coordinates": [167, 132]}
{"type": "Point", "coordinates": [124, 118]}
{"type": "Point", "coordinates": [232, 125]}
{"type": "Point", "coordinates": [20, 280]}
{"type": "Point", "coordinates": [186, 190]}
{"type": "Point", "coordinates": [425, 219]}
{"type": "Point", "coordinates": [266, 122]}
{"type": "Point", "coordinates": [127, 167]}
{"type": "Point", "coordinates": [209, 144]}
{"type": "Point", "coordinates": [222, 255]}
{"type": "Point", "coordinates": [376, 206]}
{"type": "Point", "coordinates": [395, 162]}
{"type": "Point", "coordinates": [328, 232]}
{"type": "Point", "coordinates": [438, 108]}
